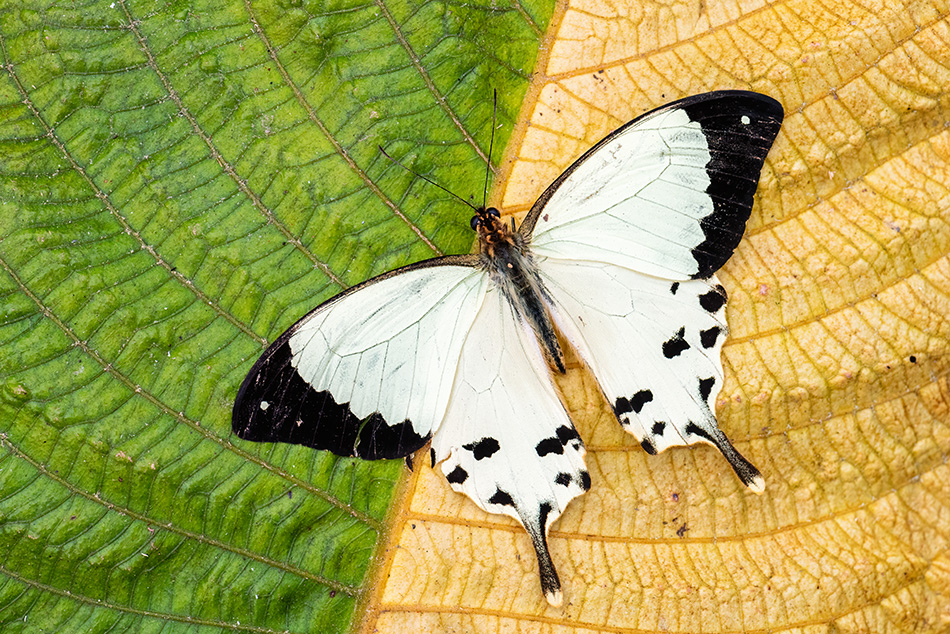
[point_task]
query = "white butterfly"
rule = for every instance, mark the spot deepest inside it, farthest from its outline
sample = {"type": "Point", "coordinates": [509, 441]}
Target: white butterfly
{"type": "Point", "coordinates": [619, 254]}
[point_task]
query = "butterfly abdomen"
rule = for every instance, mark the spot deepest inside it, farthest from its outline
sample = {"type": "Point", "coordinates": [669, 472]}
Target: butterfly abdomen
{"type": "Point", "coordinates": [513, 270]}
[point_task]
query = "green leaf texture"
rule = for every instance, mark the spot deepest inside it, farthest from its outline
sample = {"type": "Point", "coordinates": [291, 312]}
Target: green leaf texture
{"type": "Point", "coordinates": [178, 184]}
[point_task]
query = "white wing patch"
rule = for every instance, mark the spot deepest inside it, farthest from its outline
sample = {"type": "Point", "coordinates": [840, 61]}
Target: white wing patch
{"type": "Point", "coordinates": [654, 346]}
{"type": "Point", "coordinates": [369, 372]}
{"type": "Point", "coordinates": [506, 440]}
{"type": "Point", "coordinates": [636, 202]}
{"type": "Point", "coordinates": [396, 356]}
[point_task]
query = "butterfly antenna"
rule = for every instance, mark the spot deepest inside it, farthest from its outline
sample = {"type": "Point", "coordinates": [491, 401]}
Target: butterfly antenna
{"type": "Point", "coordinates": [428, 180]}
{"type": "Point", "coordinates": [491, 146]}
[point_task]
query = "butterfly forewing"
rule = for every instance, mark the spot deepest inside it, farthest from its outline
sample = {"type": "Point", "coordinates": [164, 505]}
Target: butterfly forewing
{"type": "Point", "coordinates": [369, 372]}
{"type": "Point", "coordinates": [668, 194]}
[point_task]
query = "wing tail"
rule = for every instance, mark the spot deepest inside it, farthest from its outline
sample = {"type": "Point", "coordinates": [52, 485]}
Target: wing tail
{"type": "Point", "coordinates": [745, 470]}
{"type": "Point", "coordinates": [550, 582]}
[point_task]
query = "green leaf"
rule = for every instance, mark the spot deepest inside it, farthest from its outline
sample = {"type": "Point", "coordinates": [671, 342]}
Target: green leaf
{"type": "Point", "coordinates": [178, 184]}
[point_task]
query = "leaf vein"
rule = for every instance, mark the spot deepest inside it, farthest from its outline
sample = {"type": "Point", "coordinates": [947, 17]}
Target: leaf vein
{"type": "Point", "coordinates": [339, 149]}
{"type": "Point", "coordinates": [219, 158]}
{"type": "Point", "coordinates": [110, 369]}
{"type": "Point", "coordinates": [169, 527]}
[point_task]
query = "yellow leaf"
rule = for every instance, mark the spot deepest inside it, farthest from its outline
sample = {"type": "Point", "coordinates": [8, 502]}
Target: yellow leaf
{"type": "Point", "coordinates": [836, 367]}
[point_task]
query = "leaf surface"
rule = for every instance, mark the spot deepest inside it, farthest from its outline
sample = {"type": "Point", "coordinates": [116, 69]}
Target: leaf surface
{"type": "Point", "coordinates": [179, 184]}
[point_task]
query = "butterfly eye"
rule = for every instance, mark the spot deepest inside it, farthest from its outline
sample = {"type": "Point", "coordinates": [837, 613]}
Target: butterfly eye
{"type": "Point", "coordinates": [474, 223]}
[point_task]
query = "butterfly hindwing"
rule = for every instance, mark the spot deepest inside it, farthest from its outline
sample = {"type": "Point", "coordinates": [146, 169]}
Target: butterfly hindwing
{"type": "Point", "coordinates": [654, 347]}
{"type": "Point", "coordinates": [506, 440]}
{"type": "Point", "coordinates": [369, 372]}
{"type": "Point", "coordinates": [668, 194]}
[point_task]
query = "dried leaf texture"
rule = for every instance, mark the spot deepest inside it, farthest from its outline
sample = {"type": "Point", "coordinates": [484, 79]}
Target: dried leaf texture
{"type": "Point", "coordinates": [837, 382]}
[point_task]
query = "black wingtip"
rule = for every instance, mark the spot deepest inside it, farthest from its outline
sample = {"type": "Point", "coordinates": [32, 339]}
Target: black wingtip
{"type": "Point", "coordinates": [276, 404]}
{"type": "Point", "coordinates": [740, 128]}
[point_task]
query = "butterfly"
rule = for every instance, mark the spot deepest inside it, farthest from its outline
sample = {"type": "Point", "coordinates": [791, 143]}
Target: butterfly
{"type": "Point", "coordinates": [619, 255]}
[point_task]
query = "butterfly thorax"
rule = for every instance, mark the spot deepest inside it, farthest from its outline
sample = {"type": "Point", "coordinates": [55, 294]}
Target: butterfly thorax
{"type": "Point", "coordinates": [506, 257]}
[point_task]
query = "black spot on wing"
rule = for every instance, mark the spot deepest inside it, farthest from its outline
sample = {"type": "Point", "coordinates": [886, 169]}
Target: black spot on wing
{"type": "Point", "coordinates": [708, 338]}
{"type": "Point", "coordinates": [501, 497]}
{"type": "Point", "coordinates": [296, 413]}
{"type": "Point", "coordinates": [484, 448]}
{"type": "Point", "coordinates": [458, 475]}
{"type": "Point", "coordinates": [431, 458]}
{"type": "Point", "coordinates": [635, 403]}
{"type": "Point", "coordinates": [713, 300]}
{"type": "Point", "coordinates": [706, 386]}
{"type": "Point", "coordinates": [648, 446]}
{"type": "Point", "coordinates": [675, 287]}
{"type": "Point", "coordinates": [563, 479]}
{"type": "Point", "coordinates": [740, 128]}
{"type": "Point", "coordinates": [566, 434]}
{"type": "Point", "coordinates": [675, 345]}
{"type": "Point", "coordinates": [658, 428]}
{"type": "Point", "coordinates": [640, 399]}
{"type": "Point", "coordinates": [549, 445]}
{"type": "Point", "coordinates": [585, 480]}
{"type": "Point", "coordinates": [695, 430]}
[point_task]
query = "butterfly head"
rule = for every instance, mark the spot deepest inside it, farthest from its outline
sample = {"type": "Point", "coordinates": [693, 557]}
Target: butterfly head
{"type": "Point", "coordinates": [485, 219]}
{"type": "Point", "coordinates": [491, 230]}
